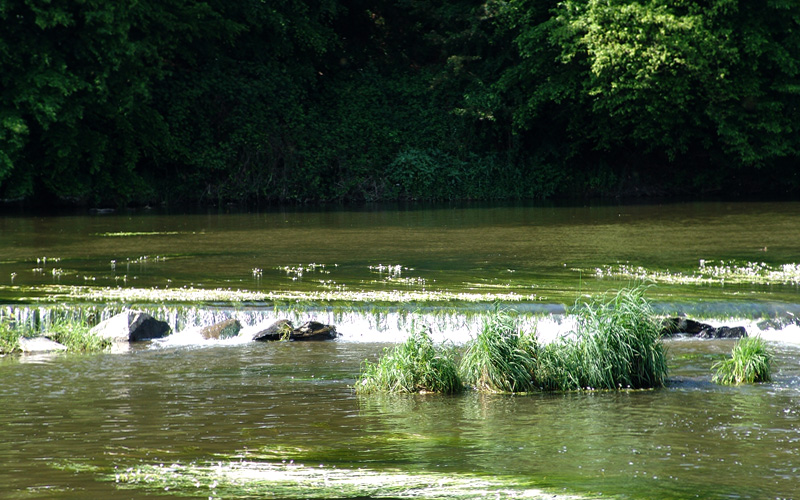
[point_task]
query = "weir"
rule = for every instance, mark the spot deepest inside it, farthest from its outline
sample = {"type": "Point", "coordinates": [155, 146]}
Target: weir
{"type": "Point", "coordinates": [374, 324]}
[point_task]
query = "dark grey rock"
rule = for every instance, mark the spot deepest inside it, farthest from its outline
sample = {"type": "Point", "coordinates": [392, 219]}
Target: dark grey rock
{"type": "Point", "coordinates": [280, 330]}
{"type": "Point", "coordinates": [685, 326]}
{"type": "Point", "coordinates": [314, 330]}
{"type": "Point", "coordinates": [779, 322]}
{"type": "Point", "coordinates": [723, 332]}
{"type": "Point", "coordinates": [682, 326]}
{"type": "Point", "coordinates": [284, 330]}
{"type": "Point", "coordinates": [132, 326]}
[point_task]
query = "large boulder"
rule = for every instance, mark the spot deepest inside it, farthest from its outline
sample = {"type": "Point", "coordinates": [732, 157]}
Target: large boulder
{"type": "Point", "coordinates": [132, 326]}
{"type": "Point", "coordinates": [222, 330]}
{"type": "Point", "coordinates": [284, 330]}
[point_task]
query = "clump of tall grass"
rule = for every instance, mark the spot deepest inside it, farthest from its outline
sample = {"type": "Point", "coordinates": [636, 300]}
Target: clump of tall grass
{"type": "Point", "coordinates": [9, 337]}
{"type": "Point", "coordinates": [616, 345]}
{"type": "Point", "coordinates": [500, 358]}
{"type": "Point", "coordinates": [76, 335]}
{"type": "Point", "coordinates": [750, 362]}
{"type": "Point", "coordinates": [416, 365]}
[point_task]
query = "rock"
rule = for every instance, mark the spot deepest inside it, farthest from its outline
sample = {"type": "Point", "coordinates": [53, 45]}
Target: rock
{"type": "Point", "coordinates": [723, 332]}
{"type": "Point", "coordinates": [685, 326]}
{"type": "Point", "coordinates": [40, 344]}
{"type": "Point", "coordinates": [132, 326]}
{"type": "Point", "coordinates": [314, 330]}
{"type": "Point", "coordinates": [280, 330]}
{"type": "Point", "coordinates": [283, 330]}
{"type": "Point", "coordinates": [222, 330]}
{"type": "Point", "coordinates": [681, 325]}
{"type": "Point", "coordinates": [779, 322]}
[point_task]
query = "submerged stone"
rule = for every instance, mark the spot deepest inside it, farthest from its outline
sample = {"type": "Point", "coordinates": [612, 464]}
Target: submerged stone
{"type": "Point", "coordinates": [132, 326]}
{"type": "Point", "coordinates": [222, 330]}
{"type": "Point", "coordinates": [40, 344]}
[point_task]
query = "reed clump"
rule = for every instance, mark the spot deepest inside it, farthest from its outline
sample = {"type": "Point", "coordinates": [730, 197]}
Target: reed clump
{"type": "Point", "coordinates": [416, 365]}
{"type": "Point", "coordinates": [616, 345]}
{"type": "Point", "coordinates": [500, 358]}
{"type": "Point", "coordinates": [750, 362]}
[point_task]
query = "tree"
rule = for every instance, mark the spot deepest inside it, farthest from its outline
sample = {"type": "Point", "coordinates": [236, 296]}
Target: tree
{"type": "Point", "coordinates": [76, 83]}
{"type": "Point", "coordinates": [692, 81]}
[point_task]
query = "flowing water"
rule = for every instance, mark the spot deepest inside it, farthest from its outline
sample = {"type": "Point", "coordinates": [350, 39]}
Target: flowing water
{"type": "Point", "coordinates": [196, 418]}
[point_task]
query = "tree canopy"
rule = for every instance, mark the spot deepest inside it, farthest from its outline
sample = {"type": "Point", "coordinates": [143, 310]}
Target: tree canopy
{"type": "Point", "coordinates": [320, 100]}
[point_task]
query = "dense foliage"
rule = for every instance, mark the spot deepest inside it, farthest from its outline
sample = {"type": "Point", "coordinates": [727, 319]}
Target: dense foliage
{"type": "Point", "coordinates": [185, 100]}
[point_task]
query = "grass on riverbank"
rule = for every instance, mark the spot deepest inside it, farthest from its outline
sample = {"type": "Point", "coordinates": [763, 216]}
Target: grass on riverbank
{"type": "Point", "coordinates": [750, 362]}
{"type": "Point", "coordinates": [416, 365]}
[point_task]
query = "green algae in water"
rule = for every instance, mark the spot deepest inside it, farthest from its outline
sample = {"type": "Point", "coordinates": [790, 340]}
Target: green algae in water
{"type": "Point", "coordinates": [58, 293]}
{"type": "Point", "coordinates": [246, 478]}
{"type": "Point", "coordinates": [707, 272]}
{"type": "Point", "coordinates": [141, 233]}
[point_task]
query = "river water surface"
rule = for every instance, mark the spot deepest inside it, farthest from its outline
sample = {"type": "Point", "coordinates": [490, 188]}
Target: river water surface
{"type": "Point", "coordinates": [196, 418]}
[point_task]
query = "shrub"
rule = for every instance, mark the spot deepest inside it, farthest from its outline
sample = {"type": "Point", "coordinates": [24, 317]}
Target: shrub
{"type": "Point", "coordinates": [500, 358]}
{"type": "Point", "coordinates": [416, 365]}
{"type": "Point", "coordinates": [617, 345]}
{"type": "Point", "coordinates": [750, 362]}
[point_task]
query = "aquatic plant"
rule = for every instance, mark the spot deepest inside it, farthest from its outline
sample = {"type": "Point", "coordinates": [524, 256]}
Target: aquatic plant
{"type": "Point", "coordinates": [248, 476]}
{"type": "Point", "coordinates": [708, 272]}
{"type": "Point", "coordinates": [750, 362]}
{"type": "Point", "coordinates": [9, 337]}
{"type": "Point", "coordinates": [500, 358]}
{"type": "Point", "coordinates": [73, 333]}
{"type": "Point", "coordinates": [56, 292]}
{"type": "Point", "coordinates": [616, 345]}
{"type": "Point", "coordinates": [416, 365]}
{"type": "Point", "coordinates": [76, 336]}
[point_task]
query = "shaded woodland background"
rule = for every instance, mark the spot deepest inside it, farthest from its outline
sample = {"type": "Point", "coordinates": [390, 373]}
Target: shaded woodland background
{"type": "Point", "coordinates": [181, 101]}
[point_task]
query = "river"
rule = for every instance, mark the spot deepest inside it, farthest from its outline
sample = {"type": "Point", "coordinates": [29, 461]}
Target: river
{"type": "Point", "coordinates": [196, 418]}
